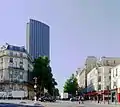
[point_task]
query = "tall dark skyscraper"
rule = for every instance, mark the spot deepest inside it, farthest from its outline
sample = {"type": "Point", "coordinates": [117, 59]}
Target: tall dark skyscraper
{"type": "Point", "coordinates": [37, 39]}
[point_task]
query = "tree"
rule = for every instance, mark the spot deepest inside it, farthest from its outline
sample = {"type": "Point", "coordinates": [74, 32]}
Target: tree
{"type": "Point", "coordinates": [71, 85]}
{"type": "Point", "coordinates": [80, 90]}
{"type": "Point", "coordinates": [57, 92]}
{"type": "Point", "coordinates": [43, 72]}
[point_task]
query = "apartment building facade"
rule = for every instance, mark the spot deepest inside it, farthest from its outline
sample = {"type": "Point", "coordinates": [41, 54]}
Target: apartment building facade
{"type": "Point", "coordinates": [98, 79]}
{"type": "Point", "coordinates": [115, 82]}
{"type": "Point", "coordinates": [90, 63]}
{"type": "Point", "coordinates": [92, 80]}
{"type": "Point", "coordinates": [81, 78]}
{"type": "Point", "coordinates": [109, 61]}
{"type": "Point", "coordinates": [15, 68]}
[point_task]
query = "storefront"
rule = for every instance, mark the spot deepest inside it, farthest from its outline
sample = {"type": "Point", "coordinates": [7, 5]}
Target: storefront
{"type": "Point", "coordinates": [114, 95]}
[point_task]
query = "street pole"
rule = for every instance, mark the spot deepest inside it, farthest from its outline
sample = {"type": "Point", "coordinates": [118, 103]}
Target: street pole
{"type": "Point", "coordinates": [76, 93]}
{"type": "Point", "coordinates": [35, 87]}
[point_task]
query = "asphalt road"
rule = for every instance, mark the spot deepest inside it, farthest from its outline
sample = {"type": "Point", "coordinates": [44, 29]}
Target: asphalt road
{"type": "Point", "coordinates": [17, 103]}
{"type": "Point", "coordinates": [75, 104]}
{"type": "Point", "coordinates": [62, 104]}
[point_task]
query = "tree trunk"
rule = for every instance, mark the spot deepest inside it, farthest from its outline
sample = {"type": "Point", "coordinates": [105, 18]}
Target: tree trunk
{"type": "Point", "coordinates": [41, 88]}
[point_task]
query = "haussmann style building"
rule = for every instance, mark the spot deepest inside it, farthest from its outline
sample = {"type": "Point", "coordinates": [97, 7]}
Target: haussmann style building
{"type": "Point", "coordinates": [15, 72]}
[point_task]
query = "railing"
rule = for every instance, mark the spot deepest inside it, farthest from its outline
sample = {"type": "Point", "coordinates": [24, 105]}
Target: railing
{"type": "Point", "coordinates": [16, 67]}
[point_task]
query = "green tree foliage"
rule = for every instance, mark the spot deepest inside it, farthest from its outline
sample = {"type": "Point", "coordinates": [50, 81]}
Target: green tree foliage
{"type": "Point", "coordinates": [71, 85]}
{"type": "Point", "coordinates": [80, 90]}
{"type": "Point", "coordinates": [43, 72]}
{"type": "Point", "coordinates": [57, 92]}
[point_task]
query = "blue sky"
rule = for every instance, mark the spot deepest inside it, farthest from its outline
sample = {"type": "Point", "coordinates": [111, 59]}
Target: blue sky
{"type": "Point", "coordinates": [78, 28]}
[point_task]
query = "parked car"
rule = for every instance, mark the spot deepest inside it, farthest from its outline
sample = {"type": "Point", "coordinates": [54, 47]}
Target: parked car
{"type": "Point", "coordinates": [49, 99]}
{"type": "Point", "coordinates": [74, 99]}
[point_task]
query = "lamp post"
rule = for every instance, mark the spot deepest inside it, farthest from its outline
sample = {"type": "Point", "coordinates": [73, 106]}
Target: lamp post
{"type": "Point", "coordinates": [35, 87]}
{"type": "Point", "coordinates": [76, 93]}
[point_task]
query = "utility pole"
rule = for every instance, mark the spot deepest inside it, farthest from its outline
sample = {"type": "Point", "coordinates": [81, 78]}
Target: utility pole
{"type": "Point", "coordinates": [76, 93]}
{"type": "Point", "coordinates": [35, 87]}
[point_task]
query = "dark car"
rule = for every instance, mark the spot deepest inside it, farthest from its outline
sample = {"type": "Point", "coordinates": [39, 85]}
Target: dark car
{"type": "Point", "coordinates": [74, 99]}
{"type": "Point", "coordinates": [49, 99]}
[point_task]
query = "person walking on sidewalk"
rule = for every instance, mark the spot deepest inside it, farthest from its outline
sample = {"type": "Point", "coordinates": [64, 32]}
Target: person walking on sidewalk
{"type": "Point", "coordinates": [79, 99]}
{"type": "Point", "coordinates": [82, 100]}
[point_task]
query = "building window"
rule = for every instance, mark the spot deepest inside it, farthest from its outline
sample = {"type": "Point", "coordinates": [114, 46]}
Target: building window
{"type": "Point", "coordinates": [113, 73]}
{"type": "Point", "coordinates": [110, 70]}
{"type": "Point", "coordinates": [114, 61]}
{"type": "Point", "coordinates": [21, 77]}
{"type": "Point", "coordinates": [1, 60]}
{"type": "Point", "coordinates": [21, 87]}
{"type": "Point", "coordinates": [99, 87]}
{"type": "Point", "coordinates": [99, 79]}
{"type": "Point", "coordinates": [21, 66]}
{"type": "Point", "coordinates": [11, 60]}
{"type": "Point", "coordinates": [114, 84]}
{"type": "Point", "coordinates": [21, 55]}
{"type": "Point", "coordinates": [116, 71]}
{"type": "Point", "coordinates": [10, 74]}
{"type": "Point", "coordinates": [90, 81]}
{"type": "Point", "coordinates": [11, 53]}
{"type": "Point", "coordinates": [21, 61]}
{"type": "Point", "coordinates": [16, 54]}
{"type": "Point", "coordinates": [11, 87]}
{"type": "Point", "coordinates": [107, 62]}
{"type": "Point", "coordinates": [109, 77]}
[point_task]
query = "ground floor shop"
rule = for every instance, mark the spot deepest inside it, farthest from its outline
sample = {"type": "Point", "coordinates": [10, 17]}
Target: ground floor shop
{"type": "Point", "coordinates": [104, 95]}
{"type": "Point", "coordinates": [16, 90]}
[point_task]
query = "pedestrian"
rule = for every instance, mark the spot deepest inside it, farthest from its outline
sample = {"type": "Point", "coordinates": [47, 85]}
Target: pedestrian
{"type": "Point", "coordinates": [79, 99]}
{"type": "Point", "coordinates": [82, 100]}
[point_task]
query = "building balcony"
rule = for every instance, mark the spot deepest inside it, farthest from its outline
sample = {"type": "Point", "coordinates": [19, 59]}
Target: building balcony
{"type": "Point", "coordinates": [13, 82]}
{"type": "Point", "coordinates": [15, 68]}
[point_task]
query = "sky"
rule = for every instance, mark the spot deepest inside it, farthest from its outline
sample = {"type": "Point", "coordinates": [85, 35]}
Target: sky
{"type": "Point", "coordinates": [78, 28]}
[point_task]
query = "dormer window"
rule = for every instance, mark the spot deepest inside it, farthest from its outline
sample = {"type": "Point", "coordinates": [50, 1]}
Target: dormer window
{"type": "Point", "coordinates": [11, 53]}
{"type": "Point", "coordinates": [11, 60]}
{"type": "Point", "coordinates": [114, 62]}
{"type": "Point", "coordinates": [21, 61]}
{"type": "Point", "coordinates": [21, 55]}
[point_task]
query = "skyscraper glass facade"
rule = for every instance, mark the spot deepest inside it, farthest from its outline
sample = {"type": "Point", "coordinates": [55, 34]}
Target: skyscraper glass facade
{"type": "Point", "coordinates": [37, 40]}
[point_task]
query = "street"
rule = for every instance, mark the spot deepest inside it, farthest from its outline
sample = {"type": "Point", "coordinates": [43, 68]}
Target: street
{"type": "Point", "coordinates": [62, 104]}
{"type": "Point", "coordinates": [59, 103]}
{"type": "Point", "coordinates": [75, 104]}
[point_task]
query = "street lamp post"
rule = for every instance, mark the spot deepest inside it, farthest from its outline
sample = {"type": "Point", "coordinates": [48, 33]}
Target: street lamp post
{"type": "Point", "coordinates": [35, 87]}
{"type": "Point", "coordinates": [76, 93]}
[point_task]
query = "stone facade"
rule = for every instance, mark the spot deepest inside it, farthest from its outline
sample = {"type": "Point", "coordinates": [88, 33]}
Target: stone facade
{"type": "Point", "coordinates": [15, 66]}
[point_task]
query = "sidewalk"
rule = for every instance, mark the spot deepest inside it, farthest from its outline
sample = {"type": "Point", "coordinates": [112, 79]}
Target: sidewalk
{"type": "Point", "coordinates": [104, 104]}
{"type": "Point", "coordinates": [24, 102]}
